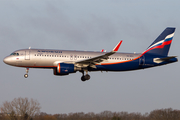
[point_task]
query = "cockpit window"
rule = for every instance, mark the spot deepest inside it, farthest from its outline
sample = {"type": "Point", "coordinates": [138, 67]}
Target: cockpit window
{"type": "Point", "coordinates": [16, 54]}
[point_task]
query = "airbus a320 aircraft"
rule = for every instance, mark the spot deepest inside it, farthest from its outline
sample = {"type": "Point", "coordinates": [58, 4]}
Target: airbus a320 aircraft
{"type": "Point", "coordinates": [64, 62]}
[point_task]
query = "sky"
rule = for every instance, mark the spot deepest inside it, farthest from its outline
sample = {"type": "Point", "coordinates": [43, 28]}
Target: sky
{"type": "Point", "coordinates": [90, 25]}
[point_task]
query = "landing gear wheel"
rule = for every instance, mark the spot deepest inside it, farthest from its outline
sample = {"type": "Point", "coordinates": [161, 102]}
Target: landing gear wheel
{"type": "Point", "coordinates": [87, 77]}
{"type": "Point", "coordinates": [25, 75]}
{"type": "Point", "coordinates": [83, 78]}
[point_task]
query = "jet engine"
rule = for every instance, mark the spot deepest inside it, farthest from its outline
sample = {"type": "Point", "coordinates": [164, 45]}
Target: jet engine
{"type": "Point", "coordinates": [64, 69]}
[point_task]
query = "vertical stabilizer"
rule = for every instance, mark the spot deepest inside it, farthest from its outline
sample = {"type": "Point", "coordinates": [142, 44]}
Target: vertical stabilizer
{"type": "Point", "coordinates": [162, 43]}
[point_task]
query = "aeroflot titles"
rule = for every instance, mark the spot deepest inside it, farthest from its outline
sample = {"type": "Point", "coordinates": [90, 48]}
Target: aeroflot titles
{"type": "Point", "coordinates": [49, 51]}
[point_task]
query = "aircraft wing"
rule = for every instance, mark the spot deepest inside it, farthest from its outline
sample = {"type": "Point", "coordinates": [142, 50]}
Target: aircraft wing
{"type": "Point", "coordinates": [98, 59]}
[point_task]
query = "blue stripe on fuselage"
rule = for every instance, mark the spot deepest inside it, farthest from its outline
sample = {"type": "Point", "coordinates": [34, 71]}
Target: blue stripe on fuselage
{"type": "Point", "coordinates": [132, 65]}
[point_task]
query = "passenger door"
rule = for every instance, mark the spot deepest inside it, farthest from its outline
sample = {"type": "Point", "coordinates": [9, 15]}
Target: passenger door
{"type": "Point", "coordinates": [27, 55]}
{"type": "Point", "coordinates": [141, 61]}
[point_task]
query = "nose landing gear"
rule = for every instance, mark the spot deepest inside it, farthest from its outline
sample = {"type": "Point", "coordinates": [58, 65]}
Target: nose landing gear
{"type": "Point", "coordinates": [26, 75]}
{"type": "Point", "coordinates": [85, 77]}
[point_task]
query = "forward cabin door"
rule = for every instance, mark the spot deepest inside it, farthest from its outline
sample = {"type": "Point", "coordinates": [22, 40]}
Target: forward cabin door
{"type": "Point", "coordinates": [27, 55]}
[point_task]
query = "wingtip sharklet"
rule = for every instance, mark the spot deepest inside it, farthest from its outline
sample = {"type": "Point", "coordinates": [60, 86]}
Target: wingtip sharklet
{"type": "Point", "coordinates": [117, 46]}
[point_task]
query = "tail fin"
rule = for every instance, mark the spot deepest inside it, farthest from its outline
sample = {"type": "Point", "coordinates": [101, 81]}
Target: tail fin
{"type": "Point", "coordinates": [162, 43]}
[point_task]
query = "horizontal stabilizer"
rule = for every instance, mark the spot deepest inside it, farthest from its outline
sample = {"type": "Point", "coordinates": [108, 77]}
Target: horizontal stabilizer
{"type": "Point", "coordinates": [167, 58]}
{"type": "Point", "coordinates": [159, 60]}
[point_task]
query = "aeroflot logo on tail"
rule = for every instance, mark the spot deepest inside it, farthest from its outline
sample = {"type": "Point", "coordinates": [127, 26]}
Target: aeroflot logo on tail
{"type": "Point", "coordinates": [49, 51]}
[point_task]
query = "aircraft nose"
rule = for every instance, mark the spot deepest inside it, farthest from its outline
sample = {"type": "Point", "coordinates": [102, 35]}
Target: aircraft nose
{"type": "Point", "coordinates": [7, 60]}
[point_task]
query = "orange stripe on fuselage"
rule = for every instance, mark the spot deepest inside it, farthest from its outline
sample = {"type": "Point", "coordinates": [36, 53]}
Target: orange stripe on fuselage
{"type": "Point", "coordinates": [161, 46]}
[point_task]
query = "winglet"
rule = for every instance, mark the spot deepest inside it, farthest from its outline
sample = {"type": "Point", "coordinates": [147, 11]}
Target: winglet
{"type": "Point", "coordinates": [117, 47]}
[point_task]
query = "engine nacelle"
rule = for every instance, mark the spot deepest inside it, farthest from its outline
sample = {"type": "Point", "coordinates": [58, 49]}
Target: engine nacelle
{"type": "Point", "coordinates": [64, 69]}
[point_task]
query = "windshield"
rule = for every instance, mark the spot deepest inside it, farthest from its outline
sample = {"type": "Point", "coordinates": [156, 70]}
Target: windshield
{"type": "Point", "coordinates": [16, 54]}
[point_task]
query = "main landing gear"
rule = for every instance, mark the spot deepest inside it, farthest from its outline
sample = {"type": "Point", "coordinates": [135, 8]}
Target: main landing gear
{"type": "Point", "coordinates": [26, 75]}
{"type": "Point", "coordinates": [85, 77]}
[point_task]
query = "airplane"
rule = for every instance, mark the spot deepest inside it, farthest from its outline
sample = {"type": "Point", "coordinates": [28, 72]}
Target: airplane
{"type": "Point", "coordinates": [65, 62]}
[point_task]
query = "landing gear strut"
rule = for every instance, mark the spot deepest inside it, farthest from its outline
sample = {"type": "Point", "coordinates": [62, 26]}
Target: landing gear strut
{"type": "Point", "coordinates": [85, 77]}
{"type": "Point", "coordinates": [26, 75]}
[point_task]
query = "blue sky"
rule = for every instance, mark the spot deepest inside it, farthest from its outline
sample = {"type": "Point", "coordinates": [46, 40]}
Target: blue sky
{"type": "Point", "coordinates": [90, 25]}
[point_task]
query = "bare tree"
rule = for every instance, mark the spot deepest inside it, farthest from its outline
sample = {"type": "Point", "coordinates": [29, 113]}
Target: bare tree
{"type": "Point", "coordinates": [21, 108]}
{"type": "Point", "coordinates": [165, 114]}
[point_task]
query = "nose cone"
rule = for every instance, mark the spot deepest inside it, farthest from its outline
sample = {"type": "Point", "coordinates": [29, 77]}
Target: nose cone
{"type": "Point", "coordinates": [7, 60]}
